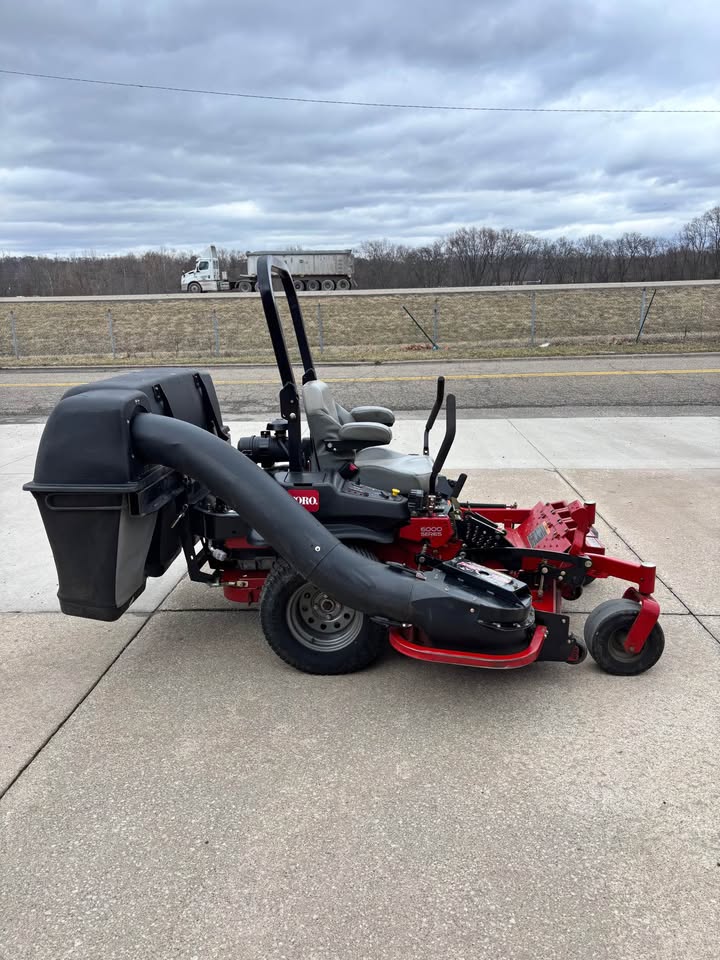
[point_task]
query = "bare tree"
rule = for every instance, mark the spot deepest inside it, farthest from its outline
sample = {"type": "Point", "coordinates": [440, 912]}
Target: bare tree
{"type": "Point", "coordinates": [472, 249]}
{"type": "Point", "coordinates": [471, 256]}
{"type": "Point", "coordinates": [712, 220]}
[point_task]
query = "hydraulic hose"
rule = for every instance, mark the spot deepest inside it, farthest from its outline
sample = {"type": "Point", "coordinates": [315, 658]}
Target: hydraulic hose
{"type": "Point", "coordinates": [440, 607]}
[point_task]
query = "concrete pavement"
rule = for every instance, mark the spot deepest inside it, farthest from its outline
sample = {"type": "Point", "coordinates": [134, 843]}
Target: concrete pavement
{"type": "Point", "coordinates": [191, 796]}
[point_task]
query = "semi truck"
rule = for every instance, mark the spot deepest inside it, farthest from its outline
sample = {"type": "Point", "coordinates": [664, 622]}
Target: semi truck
{"type": "Point", "coordinates": [311, 270]}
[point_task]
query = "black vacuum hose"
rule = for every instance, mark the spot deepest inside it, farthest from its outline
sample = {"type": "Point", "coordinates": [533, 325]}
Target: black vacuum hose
{"type": "Point", "coordinates": [434, 604]}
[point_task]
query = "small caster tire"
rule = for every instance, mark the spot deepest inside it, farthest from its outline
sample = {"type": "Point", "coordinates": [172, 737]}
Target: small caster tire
{"type": "Point", "coordinates": [606, 630]}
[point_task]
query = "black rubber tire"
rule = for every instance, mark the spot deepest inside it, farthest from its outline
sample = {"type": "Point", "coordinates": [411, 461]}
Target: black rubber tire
{"type": "Point", "coordinates": [313, 285]}
{"type": "Point", "coordinates": [282, 583]}
{"type": "Point", "coordinates": [194, 287]}
{"type": "Point", "coordinates": [605, 629]}
{"type": "Point", "coordinates": [299, 285]}
{"type": "Point", "coordinates": [245, 286]}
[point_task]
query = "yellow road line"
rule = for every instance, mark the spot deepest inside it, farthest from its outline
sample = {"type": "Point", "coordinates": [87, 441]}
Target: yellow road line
{"type": "Point", "coordinates": [484, 376]}
{"type": "Point", "coordinates": [451, 376]}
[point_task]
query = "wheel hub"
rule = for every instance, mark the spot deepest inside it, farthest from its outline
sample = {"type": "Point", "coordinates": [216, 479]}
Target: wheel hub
{"type": "Point", "coordinates": [320, 622]}
{"type": "Point", "coordinates": [618, 648]}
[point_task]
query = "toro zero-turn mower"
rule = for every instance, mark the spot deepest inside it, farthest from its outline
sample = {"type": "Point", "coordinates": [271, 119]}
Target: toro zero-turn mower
{"type": "Point", "coordinates": [344, 543]}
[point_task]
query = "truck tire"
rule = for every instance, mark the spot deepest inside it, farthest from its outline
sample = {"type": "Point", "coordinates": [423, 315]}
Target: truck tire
{"type": "Point", "coordinates": [194, 287]}
{"type": "Point", "coordinates": [245, 286]}
{"type": "Point", "coordinates": [343, 284]}
{"type": "Point", "coordinates": [299, 284]}
{"type": "Point", "coordinates": [327, 284]}
{"type": "Point", "coordinates": [313, 285]}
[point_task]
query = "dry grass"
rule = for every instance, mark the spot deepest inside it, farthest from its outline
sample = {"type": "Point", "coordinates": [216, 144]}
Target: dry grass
{"type": "Point", "coordinates": [482, 324]}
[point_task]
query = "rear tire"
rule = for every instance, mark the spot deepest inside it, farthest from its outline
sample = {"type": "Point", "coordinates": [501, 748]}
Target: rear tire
{"type": "Point", "coordinates": [313, 632]}
{"type": "Point", "coordinates": [299, 284]}
{"type": "Point", "coordinates": [606, 630]}
{"type": "Point", "coordinates": [343, 284]}
{"type": "Point", "coordinates": [194, 287]}
{"type": "Point", "coordinates": [245, 286]}
{"type": "Point", "coordinates": [327, 284]}
{"type": "Point", "coordinates": [313, 285]}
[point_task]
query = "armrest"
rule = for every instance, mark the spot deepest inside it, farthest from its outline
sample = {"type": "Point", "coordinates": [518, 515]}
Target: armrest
{"type": "Point", "coordinates": [364, 434]}
{"type": "Point", "coordinates": [373, 415]}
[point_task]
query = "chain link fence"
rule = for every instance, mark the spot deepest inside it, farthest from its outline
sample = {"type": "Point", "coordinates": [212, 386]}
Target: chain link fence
{"type": "Point", "coordinates": [359, 326]}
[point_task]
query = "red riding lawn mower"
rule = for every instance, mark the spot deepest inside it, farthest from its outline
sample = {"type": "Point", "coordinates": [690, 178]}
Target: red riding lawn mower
{"type": "Point", "coordinates": [344, 543]}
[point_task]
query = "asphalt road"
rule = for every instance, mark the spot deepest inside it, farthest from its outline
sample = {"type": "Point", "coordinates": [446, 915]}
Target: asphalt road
{"type": "Point", "coordinates": [572, 386]}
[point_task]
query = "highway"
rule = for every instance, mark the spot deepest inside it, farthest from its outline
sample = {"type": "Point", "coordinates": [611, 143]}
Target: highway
{"type": "Point", "coordinates": [648, 385]}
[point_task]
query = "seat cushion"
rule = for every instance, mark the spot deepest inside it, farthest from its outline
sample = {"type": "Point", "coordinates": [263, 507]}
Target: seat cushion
{"type": "Point", "coordinates": [362, 434]}
{"type": "Point", "coordinates": [373, 415]}
{"type": "Point", "coordinates": [321, 412]}
{"type": "Point", "coordinates": [387, 469]}
{"type": "Point", "coordinates": [327, 419]}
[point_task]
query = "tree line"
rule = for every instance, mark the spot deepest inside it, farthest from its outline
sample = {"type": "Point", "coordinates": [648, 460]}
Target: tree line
{"type": "Point", "coordinates": [471, 256]}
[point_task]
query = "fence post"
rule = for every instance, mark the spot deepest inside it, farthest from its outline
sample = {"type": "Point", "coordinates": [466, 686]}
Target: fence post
{"type": "Point", "coordinates": [642, 311]}
{"type": "Point", "coordinates": [13, 334]}
{"type": "Point", "coordinates": [436, 322]}
{"type": "Point", "coordinates": [321, 339]}
{"type": "Point", "coordinates": [111, 331]}
{"type": "Point", "coordinates": [216, 332]}
{"type": "Point", "coordinates": [533, 318]}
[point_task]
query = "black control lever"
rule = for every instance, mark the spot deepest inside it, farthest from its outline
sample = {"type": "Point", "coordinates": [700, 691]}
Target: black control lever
{"type": "Point", "coordinates": [450, 430]}
{"type": "Point", "coordinates": [433, 414]}
{"type": "Point", "coordinates": [458, 485]}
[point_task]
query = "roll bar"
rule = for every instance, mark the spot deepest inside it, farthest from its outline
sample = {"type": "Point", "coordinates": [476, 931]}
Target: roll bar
{"type": "Point", "coordinates": [267, 268]}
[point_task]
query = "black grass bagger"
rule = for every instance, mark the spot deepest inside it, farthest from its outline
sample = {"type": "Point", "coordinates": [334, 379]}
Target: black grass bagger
{"type": "Point", "coordinates": [345, 543]}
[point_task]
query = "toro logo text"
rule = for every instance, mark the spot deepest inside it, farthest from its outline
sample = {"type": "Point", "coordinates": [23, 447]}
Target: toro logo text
{"type": "Point", "coordinates": [310, 499]}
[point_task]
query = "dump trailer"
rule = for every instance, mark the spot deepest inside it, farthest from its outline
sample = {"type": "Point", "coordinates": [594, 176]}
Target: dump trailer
{"type": "Point", "coordinates": [311, 269]}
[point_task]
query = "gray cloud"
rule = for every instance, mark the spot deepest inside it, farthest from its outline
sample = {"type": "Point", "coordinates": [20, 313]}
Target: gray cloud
{"type": "Point", "coordinates": [103, 168]}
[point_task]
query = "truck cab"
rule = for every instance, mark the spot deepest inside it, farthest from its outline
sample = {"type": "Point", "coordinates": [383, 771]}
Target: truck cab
{"type": "Point", "coordinates": [205, 277]}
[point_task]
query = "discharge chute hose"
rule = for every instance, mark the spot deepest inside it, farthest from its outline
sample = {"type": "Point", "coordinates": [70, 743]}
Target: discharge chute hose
{"type": "Point", "coordinates": [364, 584]}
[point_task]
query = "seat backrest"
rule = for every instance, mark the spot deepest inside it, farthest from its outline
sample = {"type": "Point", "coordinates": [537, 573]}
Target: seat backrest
{"type": "Point", "coordinates": [324, 415]}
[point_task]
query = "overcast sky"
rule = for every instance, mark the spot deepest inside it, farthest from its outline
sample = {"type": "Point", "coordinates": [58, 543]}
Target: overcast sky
{"type": "Point", "coordinates": [108, 169]}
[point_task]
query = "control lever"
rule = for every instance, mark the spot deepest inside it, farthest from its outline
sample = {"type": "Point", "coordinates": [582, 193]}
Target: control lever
{"type": "Point", "coordinates": [433, 414]}
{"type": "Point", "coordinates": [450, 431]}
{"type": "Point", "coordinates": [458, 485]}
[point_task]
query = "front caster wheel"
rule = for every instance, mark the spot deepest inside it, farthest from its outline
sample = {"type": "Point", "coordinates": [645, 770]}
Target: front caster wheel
{"type": "Point", "coordinates": [312, 631]}
{"type": "Point", "coordinates": [606, 630]}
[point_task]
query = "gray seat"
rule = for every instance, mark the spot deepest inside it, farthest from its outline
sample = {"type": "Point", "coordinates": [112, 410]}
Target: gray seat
{"type": "Point", "coordinates": [389, 469]}
{"type": "Point", "coordinates": [360, 435]}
